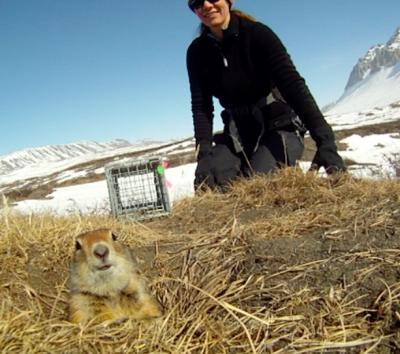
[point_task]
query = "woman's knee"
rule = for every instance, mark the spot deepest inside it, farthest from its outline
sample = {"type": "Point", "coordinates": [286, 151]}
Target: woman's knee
{"type": "Point", "coordinates": [293, 146]}
{"type": "Point", "coordinates": [287, 147]}
{"type": "Point", "coordinates": [262, 161]}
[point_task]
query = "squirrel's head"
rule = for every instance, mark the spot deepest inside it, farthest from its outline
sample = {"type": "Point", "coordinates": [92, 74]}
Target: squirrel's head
{"type": "Point", "coordinates": [98, 249]}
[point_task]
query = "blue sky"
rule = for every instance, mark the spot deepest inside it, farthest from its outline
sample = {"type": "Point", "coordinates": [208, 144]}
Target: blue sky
{"type": "Point", "coordinates": [73, 70]}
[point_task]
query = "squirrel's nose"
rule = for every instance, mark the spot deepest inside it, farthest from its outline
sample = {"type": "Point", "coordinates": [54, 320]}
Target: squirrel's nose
{"type": "Point", "coordinates": [101, 251]}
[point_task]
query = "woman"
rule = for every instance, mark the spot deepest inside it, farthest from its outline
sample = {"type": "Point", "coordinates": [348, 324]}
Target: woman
{"type": "Point", "coordinates": [267, 105]}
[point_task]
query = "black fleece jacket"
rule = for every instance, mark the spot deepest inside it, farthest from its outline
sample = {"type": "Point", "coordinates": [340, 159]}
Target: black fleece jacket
{"type": "Point", "coordinates": [242, 69]}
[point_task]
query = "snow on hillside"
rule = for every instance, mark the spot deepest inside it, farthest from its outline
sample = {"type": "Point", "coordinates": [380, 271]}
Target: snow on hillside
{"type": "Point", "coordinates": [376, 154]}
{"type": "Point", "coordinates": [372, 152]}
{"type": "Point", "coordinates": [46, 167]}
{"type": "Point", "coordinates": [354, 119]}
{"type": "Point", "coordinates": [378, 89]}
{"type": "Point", "coordinates": [60, 153]}
{"type": "Point", "coordinates": [374, 80]}
{"type": "Point", "coordinates": [93, 197]}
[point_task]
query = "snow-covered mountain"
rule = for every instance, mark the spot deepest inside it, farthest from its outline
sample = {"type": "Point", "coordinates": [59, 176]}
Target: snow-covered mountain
{"type": "Point", "coordinates": [34, 168]}
{"type": "Point", "coordinates": [374, 80]}
{"type": "Point", "coordinates": [55, 153]}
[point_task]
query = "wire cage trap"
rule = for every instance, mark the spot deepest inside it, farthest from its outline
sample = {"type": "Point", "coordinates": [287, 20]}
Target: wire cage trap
{"type": "Point", "coordinates": [137, 188]}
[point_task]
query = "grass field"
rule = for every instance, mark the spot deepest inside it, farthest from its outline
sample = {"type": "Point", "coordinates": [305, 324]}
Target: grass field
{"type": "Point", "coordinates": [289, 263]}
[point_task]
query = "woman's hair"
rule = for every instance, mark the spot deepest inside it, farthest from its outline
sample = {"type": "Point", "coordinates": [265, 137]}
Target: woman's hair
{"type": "Point", "coordinates": [243, 14]}
{"type": "Point", "coordinates": [236, 12]}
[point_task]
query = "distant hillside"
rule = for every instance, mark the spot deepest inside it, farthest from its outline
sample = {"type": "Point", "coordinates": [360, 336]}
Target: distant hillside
{"type": "Point", "coordinates": [374, 80]}
{"type": "Point", "coordinates": [56, 153]}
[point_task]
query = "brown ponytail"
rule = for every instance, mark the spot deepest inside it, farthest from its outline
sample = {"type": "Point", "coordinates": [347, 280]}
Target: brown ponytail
{"type": "Point", "coordinates": [242, 14]}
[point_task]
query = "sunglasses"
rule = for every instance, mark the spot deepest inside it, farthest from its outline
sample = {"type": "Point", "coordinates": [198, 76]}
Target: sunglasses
{"type": "Point", "coordinates": [197, 4]}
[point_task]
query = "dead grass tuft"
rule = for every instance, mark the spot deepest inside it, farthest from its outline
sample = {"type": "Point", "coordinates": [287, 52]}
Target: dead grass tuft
{"type": "Point", "coordinates": [289, 263]}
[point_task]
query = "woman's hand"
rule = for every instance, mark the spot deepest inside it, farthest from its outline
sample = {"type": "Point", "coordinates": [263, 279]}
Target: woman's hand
{"type": "Point", "coordinates": [203, 175]}
{"type": "Point", "coordinates": [328, 157]}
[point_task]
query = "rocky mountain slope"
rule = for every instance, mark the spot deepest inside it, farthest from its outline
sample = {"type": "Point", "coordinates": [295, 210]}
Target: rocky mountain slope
{"type": "Point", "coordinates": [374, 80]}
{"type": "Point", "coordinates": [377, 57]}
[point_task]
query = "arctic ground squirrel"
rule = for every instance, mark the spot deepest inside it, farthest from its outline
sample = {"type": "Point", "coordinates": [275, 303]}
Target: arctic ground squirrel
{"type": "Point", "coordinates": [105, 284]}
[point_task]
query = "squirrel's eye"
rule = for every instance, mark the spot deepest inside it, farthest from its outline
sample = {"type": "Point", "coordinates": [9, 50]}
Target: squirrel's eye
{"type": "Point", "coordinates": [78, 246]}
{"type": "Point", "coordinates": [114, 237]}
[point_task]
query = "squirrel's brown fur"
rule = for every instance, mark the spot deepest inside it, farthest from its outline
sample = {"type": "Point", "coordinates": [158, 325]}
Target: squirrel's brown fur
{"type": "Point", "coordinates": [105, 284]}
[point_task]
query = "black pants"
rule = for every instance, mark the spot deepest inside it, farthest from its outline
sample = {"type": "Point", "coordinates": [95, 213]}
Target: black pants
{"type": "Point", "coordinates": [277, 149]}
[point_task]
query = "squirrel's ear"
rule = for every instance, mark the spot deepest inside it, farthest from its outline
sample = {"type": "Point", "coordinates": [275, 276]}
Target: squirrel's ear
{"type": "Point", "coordinates": [114, 236]}
{"type": "Point", "coordinates": [78, 245]}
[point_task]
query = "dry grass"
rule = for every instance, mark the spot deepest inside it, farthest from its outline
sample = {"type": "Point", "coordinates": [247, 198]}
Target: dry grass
{"type": "Point", "coordinates": [289, 263]}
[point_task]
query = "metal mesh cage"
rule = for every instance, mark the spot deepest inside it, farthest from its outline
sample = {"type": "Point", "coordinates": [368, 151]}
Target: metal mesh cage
{"type": "Point", "coordinates": [136, 188]}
